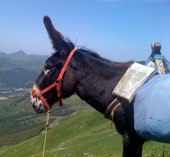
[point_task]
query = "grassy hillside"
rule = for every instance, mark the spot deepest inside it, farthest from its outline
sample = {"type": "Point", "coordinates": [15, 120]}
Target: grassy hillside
{"type": "Point", "coordinates": [86, 134]}
{"type": "Point", "coordinates": [18, 70]}
{"type": "Point", "coordinates": [18, 74]}
{"type": "Point", "coordinates": [18, 121]}
{"type": "Point", "coordinates": [8, 64]}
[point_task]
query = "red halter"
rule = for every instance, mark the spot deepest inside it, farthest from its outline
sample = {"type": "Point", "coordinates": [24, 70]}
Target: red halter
{"type": "Point", "coordinates": [55, 84]}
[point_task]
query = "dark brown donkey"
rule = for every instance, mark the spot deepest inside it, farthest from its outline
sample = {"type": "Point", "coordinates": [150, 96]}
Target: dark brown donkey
{"type": "Point", "coordinates": [92, 78]}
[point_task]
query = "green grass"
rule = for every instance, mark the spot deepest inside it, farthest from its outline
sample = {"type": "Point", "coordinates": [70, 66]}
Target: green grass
{"type": "Point", "coordinates": [84, 134]}
{"type": "Point", "coordinates": [88, 132]}
{"type": "Point", "coordinates": [19, 122]}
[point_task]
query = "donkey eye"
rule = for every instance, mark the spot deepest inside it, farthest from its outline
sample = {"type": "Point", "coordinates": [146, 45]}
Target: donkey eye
{"type": "Point", "coordinates": [46, 71]}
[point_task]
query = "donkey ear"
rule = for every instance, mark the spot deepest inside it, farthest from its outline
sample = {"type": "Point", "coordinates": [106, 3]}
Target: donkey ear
{"type": "Point", "coordinates": [58, 40]}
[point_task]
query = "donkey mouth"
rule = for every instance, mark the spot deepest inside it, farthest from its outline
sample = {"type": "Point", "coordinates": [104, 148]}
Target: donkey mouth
{"type": "Point", "coordinates": [38, 105]}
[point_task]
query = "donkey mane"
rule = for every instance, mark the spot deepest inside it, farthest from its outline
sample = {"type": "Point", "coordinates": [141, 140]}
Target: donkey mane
{"type": "Point", "coordinates": [98, 64]}
{"type": "Point", "coordinates": [84, 50]}
{"type": "Point", "coordinates": [96, 57]}
{"type": "Point", "coordinates": [92, 54]}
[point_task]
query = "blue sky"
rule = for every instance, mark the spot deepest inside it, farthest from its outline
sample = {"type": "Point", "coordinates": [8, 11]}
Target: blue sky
{"type": "Point", "coordinates": [119, 30]}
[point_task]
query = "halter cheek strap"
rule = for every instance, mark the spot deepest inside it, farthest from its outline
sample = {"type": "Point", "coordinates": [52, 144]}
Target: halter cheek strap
{"type": "Point", "coordinates": [55, 84]}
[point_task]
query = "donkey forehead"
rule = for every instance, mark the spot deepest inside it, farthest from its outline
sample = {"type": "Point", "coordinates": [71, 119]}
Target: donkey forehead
{"type": "Point", "coordinates": [49, 63]}
{"type": "Point", "coordinates": [52, 60]}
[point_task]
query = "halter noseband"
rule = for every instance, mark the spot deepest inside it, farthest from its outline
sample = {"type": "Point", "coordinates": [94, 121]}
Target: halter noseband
{"type": "Point", "coordinates": [56, 84]}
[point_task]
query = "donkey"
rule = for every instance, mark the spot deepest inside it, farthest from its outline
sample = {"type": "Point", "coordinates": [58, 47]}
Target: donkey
{"type": "Point", "coordinates": [92, 78]}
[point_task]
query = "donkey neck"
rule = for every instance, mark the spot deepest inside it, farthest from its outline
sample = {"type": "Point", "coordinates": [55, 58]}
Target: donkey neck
{"type": "Point", "coordinates": [95, 80]}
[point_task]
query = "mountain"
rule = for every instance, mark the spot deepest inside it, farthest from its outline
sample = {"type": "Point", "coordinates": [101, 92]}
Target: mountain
{"type": "Point", "coordinates": [87, 134]}
{"type": "Point", "coordinates": [22, 56]}
{"type": "Point", "coordinates": [19, 122]}
{"type": "Point", "coordinates": [18, 70]}
{"type": "Point", "coordinates": [9, 64]}
{"type": "Point", "coordinates": [17, 74]}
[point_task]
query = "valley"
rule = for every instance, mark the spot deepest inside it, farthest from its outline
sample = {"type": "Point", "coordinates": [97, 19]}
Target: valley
{"type": "Point", "coordinates": [75, 129]}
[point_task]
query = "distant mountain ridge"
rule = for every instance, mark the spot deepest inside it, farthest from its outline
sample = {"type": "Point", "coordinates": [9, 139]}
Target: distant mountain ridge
{"type": "Point", "coordinates": [18, 70]}
{"type": "Point", "coordinates": [22, 56]}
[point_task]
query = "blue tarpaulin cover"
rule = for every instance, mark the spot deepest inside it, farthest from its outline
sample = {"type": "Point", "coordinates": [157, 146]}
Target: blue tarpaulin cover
{"type": "Point", "coordinates": [152, 109]}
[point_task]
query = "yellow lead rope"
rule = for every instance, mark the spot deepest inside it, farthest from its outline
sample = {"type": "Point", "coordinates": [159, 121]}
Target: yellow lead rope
{"type": "Point", "coordinates": [46, 128]}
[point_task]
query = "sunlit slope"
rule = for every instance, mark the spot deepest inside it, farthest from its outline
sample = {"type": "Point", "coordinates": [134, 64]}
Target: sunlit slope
{"type": "Point", "coordinates": [19, 122]}
{"type": "Point", "coordinates": [85, 134]}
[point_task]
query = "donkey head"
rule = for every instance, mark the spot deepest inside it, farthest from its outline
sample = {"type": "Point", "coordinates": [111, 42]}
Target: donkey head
{"type": "Point", "coordinates": [52, 70]}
